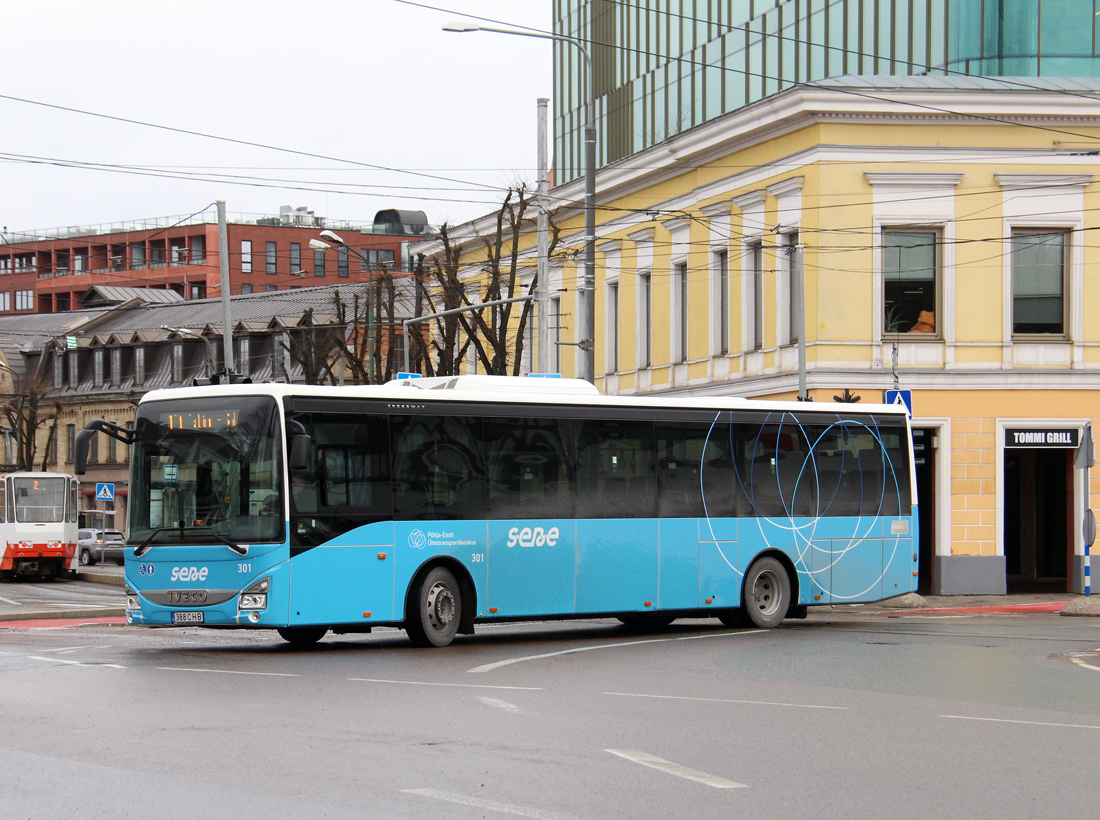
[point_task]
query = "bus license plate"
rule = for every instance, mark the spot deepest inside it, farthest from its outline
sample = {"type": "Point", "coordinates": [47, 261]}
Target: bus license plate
{"type": "Point", "coordinates": [187, 617]}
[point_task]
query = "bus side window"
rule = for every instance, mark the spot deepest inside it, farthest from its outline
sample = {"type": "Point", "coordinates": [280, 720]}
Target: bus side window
{"type": "Point", "coordinates": [3, 502]}
{"type": "Point", "coordinates": [528, 468]}
{"type": "Point", "coordinates": [615, 470]}
{"type": "Point", "coordinates": [438, 472]}
{"type": "Point", "coordinates": [695, 475]}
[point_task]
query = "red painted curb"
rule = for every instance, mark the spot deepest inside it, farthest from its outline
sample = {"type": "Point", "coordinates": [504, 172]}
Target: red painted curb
{"type": "Point", "coordinates": [57, 623]}
{"type": "Point", "coordinates": [1051, 606]}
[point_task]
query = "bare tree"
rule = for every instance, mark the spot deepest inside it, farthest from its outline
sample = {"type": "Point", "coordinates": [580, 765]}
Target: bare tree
{"type": "Point", "coordinates": [26, 409]}
{"type": "Point", "coordinates": [496, 333]}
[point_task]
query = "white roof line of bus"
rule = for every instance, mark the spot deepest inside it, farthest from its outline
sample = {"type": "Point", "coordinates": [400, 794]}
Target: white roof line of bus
{"type": "Point", "coordinates": [403, 391]}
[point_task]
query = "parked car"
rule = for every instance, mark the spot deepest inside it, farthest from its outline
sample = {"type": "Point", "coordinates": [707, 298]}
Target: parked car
{"type": "Point", "coordinates": [95, 545]}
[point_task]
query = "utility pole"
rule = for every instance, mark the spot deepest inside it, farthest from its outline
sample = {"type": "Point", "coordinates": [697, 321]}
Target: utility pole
{"type": "Point", "coordinates": [543, 230]}
{"type": "Point", "coordinates": [223, 264]}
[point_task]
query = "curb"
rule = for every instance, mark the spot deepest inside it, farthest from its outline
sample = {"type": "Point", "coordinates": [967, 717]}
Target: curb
{"type": "Point", "coordinates": [57, 614]}
{"type": "Point", "coordinates": [108, 578]}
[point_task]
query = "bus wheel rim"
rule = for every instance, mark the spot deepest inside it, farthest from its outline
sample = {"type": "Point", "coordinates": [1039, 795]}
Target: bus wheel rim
{"type": "Point", "coordinates": [765, 592]}
{"type": "Point", "coordinates": [441, 606]}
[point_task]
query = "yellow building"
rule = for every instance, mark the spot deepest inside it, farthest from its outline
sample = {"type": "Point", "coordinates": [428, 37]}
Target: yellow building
{"type": "Point", "coordinates": [944, 230]}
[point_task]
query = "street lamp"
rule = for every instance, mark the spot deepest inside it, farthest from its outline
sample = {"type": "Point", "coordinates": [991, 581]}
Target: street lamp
{"type": "Point", "coordinates": [587, 291]}
{"type": "Point", "coordinates": [183, 331]}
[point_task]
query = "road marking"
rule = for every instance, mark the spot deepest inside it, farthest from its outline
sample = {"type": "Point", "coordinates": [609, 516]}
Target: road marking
{"type": "Point", "coordinates": [503, 705]}
{"type": "Point", "coordinates": [74, 663]}
{"type": "Point", "coordinates": [1025, 722]}
{"type": "Point", "coordinates": [676, 769]}
{"type": "Point", "coordinates": [489, 667]}
{"type": "Point", "coordinates": [1076, 658]}
{"type": "Point", "coordinates": [224, 671]}
{"type": "Point", "coordinates": [10, 601]}
{"type": "Point", "coordinates": [456, 685]}
{"type": "Point", "coordinates": [723, 700]}
{"type": "Point", "coordinates": [491, 805]}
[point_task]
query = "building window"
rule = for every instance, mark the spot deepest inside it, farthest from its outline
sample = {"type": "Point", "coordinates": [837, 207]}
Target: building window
{"type": "Point", "coordinates": [1039, 282]}
{"type": "Point", "coordinates": [51, 453]}
{"type": "Point", "coordinates": [5, 300]}
{"type": "Point", "coordinates": [272, 258]}
{"type": "Point", "coordinates": [318, 263]}
{"type": "Point", "coordinates": [139, 365]}
{"type": "Point", "coordinates": [198, 250]}
{"type": "Point", "coordinates": [375, 258]}
{"type": "Point", "coordinates": [613, 327]}
{"type": "Point", "coordinates": [244, 357]}
{"type": "Point", "coordinates": [59, 370]}
{"type": "Point", "coordinates": [70, 443]}
{"type": "Point", "coordinates": [722, 258]}
{"type": "Point", "coordinates": [97, 367]}
{"type": "Point", "coordinates": [794, 273]}
{"type": "Point", "coordinates": [177, 362]}
{"type": "Point", "coordinates": [271, 288]}
{"type": "Point", "coordinates": [137, 255]}
{"type": "Point", "coordinates": [680, 311]}
{"type": "Point", "coordinates": [756, 294]}
{"type": "Point", "coordinates": [24, 300]}
{"type": "Point", "coordinates": [116, 366]}
{"type": "Point", "coordinates": [74, 369]}
{"type": "Point", "coordinates": [178, 252]}
{"type": "Point", "coordinates": [246, 256]}
{"type": "Point", "coordinates": [246, 288]}
{"type": "Point", "coordinates": [295, 257]}
{"type": "Point", "coordinates": [910, 266]}
{"type": "Point", "coordinates": [342, 263]}
{"type": "Point", "coordinates": [112, 449]}
{"type": "Point", "coordinates": [93, 449]}
{"type": "Point", "coordinates": [645, 319]}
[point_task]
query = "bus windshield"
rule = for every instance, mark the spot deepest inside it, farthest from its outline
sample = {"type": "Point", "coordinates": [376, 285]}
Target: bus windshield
{"type": "Point", "coordinates": [40, 500]}
{"type": "Point", "coordinates": [207, 471]}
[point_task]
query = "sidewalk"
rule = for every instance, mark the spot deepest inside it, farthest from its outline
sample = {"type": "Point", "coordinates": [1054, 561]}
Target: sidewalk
{"type": "Point", "coordinates": [911, 604]}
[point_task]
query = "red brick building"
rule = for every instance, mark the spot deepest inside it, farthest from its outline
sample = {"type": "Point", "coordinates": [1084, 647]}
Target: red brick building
{"type": "Point", "coordinates": [54, 271]}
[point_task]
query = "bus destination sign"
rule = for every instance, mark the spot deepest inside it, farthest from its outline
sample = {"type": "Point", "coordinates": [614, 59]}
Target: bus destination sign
{"type": "Point", "coordinates": [1042, 437]}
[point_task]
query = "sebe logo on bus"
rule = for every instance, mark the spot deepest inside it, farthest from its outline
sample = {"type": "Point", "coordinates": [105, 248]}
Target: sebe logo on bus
{"type": "Point", "coordinates": [532, 537]}
{"type": "Point", "coordinates": [190, 573]}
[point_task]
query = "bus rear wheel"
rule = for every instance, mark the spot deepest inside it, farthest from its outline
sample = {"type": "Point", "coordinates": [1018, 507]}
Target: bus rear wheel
{"type": "Point", "coordinates": [767, 593]}
{"type": "Point", "coordinates": [302, 635]}
{"type": "Point", "coordinates": [435, 609]}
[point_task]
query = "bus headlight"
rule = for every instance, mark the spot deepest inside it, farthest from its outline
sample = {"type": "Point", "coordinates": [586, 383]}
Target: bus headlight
{"type": "Point", "coordinates": [132, 600]}
{"type": "Point", "coordinates": [255, 597]}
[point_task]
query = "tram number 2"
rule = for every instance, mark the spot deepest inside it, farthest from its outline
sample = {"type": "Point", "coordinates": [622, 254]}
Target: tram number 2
{"type": "Point", "coordinates": [477, 557]}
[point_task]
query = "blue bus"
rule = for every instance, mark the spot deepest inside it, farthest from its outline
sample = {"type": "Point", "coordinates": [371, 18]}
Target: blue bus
{"type": "Point", "coordinates": [438, 504]}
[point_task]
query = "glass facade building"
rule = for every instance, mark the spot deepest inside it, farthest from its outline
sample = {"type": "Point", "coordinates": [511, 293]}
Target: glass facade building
{"type": "Point", "coordinates": [661, 67]}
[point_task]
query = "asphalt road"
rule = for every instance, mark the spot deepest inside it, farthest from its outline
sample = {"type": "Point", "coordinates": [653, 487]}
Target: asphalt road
{"type": "Point", "coordinates": [865, 715]}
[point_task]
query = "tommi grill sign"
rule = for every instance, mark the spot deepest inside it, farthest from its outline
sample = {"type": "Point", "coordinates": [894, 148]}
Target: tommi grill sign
{"type": "Point", "coordinates": [1042, 437]}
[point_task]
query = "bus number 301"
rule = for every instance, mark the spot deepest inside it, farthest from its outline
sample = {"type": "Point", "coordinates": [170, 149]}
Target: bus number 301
{"type": "Point", "coordinates": [477, 557]}
{"type": "Point", "coordinates": [244, 568]}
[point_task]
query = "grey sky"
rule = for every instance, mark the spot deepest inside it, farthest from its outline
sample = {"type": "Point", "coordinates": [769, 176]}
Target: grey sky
{"type": "Point", "coordinates": [372, 81]}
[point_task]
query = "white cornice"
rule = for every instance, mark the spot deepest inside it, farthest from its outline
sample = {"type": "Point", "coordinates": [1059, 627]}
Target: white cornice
{"type": "Point", "coordinates": [921, 180]}
{"type": "Point", "coordinates": [716, 209]}
{"type": "Point", "coordinates": [610, 246]}
{"type": "Point", "coordinates": [642, 237]}
{"type": "Point", "coordinates": [787, 186]}
{"type": "Point", "coordinates": [750, 200]}
{"type": "Point", "coordinates": [1017, 181]}
{"type": "Point", "coordinates": [676, 223]}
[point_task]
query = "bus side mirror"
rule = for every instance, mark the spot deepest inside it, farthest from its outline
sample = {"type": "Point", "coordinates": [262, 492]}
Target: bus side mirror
{"type": "Point", "coordinates": [81, 456]}
{"type": "Point", "coordinates": [299, 451]}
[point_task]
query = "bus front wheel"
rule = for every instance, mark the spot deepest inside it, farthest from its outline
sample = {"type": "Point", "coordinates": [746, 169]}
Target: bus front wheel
{"type": "Point", "coordinates": [767, 595]}
{"type": "Point", "coordinates": [302, 635]}
{"type": "Point", "coordinates": [435, 609]}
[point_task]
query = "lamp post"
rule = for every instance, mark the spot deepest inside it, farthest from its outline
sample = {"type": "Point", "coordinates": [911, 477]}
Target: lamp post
{"type": "Point", "coordinates": [587, 291]}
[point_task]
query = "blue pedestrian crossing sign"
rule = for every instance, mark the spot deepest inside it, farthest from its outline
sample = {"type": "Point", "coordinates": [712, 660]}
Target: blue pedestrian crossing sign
{"type": "Point", "coordinates": [105, 492]}
{"type": "Point", "coordinates": [902, 397]}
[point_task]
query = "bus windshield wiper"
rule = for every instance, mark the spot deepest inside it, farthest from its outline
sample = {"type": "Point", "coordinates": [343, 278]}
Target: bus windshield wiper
{"type": "Point", "coordinates": [145, 545]}
{"type": "Point", "coordinates": [237, 548]}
